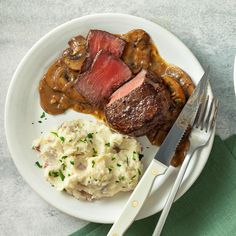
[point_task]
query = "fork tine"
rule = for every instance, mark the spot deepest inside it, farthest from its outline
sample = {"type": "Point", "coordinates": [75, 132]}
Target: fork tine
{"type": "Point", "coordinates": [202, 113]}
{"type": "Point", "coordinates": [215, 114]}
{"type": "Point", "coordinates": [196, 120]}
{"type": "Point", "coordinates": [207, 121]}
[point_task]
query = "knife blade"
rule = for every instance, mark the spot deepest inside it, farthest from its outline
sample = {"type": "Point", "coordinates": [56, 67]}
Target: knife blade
{"type": "Point", "coordinates": [162, 159]}
{"type": "Point", "coordinates": [184, 120]}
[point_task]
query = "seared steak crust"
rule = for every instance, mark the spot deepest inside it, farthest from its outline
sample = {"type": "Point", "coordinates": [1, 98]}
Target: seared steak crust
{"type": "Point", "coordinates": [141, 109]}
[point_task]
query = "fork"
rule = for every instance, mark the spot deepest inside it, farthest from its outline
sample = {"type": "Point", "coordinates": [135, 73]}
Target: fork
{"type": "Point", "coordinates": [201, 132]}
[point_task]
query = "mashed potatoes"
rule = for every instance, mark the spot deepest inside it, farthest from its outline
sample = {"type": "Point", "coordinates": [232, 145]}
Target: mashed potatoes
{"type": "Point", "coordinates": [89, 160]}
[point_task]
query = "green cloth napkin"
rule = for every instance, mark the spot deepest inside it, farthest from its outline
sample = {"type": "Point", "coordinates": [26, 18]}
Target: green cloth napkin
{"type": "Point", "coordinates": [207, 209]}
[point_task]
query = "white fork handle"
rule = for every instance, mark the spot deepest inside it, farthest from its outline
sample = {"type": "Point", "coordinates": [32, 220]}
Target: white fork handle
{"type": "Point", "coordinates": [172, 195]}
{"type": "Point", "coordinates": [137, 198]}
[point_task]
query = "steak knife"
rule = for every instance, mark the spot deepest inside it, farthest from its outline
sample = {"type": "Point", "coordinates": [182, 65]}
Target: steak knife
{"type": "Point", "coordinates": [162, 159]}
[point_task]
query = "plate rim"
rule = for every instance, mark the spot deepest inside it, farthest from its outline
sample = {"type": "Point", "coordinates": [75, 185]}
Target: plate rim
{"type": "Point", "coordinates": [183, 189]}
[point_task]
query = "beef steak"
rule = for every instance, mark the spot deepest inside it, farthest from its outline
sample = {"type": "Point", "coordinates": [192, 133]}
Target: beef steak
{"type": "Point", "coordinates": [139, 105]}
{"type": "Point", "coordinates": [101, 40]}
{"type": "Point", "coordinates": [106, 74]}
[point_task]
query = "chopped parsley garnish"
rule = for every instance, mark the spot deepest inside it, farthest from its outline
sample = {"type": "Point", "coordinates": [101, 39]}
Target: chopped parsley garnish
{"type": "Point", "coordinates": [94, 152]}
{"type": "Point", "coordinates": [90, 135]}
{"type": "Point", "coordinates": [121, 178]}
{"type": "Point", "coordinates": [38, 164]}
{"type": "Point", "coordinates": [55, 133]}
{"type": "Point", "coordinates": [53, 173]}
{"type": "Point", "coordinates": [64, 157]}
{"type": "Point", "coordinates": [93, 163]}
{"type": "Point", "coordinates": [140, 156]}
{"type": "Point", "coordinates": [70, 140]}
{"type": "Point", "coordinates": [43, 115]}
{"type": "Point", "coordinates": [39, 121]}
{"type": "Point", "coordinates": [134, 155]}
{"type": "Point", "coordinates": [133, 177]}
{"type": "Point", "coordinates": [69, 175]}
{"type": "Point", "coordinates": [72, 162]}
{"type": "Point", "coordinates": [63, 166]}
{"type": "Point", "coordinates": [107, 144]}
{"type": "Point", "coordinates": [127, 160]}
{"type": "Point", "coordinates": [62, 139]}
{"type": "Point", "coordinates": [119, 165]}
{"type": "Point", "coordinates": [113, 158]}
{"type": "Point", "coordinates": [139, 171]}
{"type": "Point", "coordinates": [61, 175]}
{"type": "Point", "coordinates": [83, 140]}
{"type": "Point", "coordinates": [117, 181]}
{"type": "Point", "coordinates": [110, 169]}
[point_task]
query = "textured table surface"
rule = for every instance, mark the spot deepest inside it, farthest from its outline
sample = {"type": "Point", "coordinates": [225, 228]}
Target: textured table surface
{"type": "Point", "coordinates": [207, 28]}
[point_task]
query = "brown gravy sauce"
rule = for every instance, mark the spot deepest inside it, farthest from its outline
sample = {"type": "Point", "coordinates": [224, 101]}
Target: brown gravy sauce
{"type": "Point", "coordinates": [57, 93]}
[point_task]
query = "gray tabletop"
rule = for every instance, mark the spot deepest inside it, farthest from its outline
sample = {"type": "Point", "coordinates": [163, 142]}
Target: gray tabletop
{"type": "Point", "coordinates": [208, 29]}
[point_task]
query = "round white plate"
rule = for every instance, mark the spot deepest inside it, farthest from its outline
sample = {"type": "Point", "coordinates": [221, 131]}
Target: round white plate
{"type": "Point", "coordinates": [22, 108]}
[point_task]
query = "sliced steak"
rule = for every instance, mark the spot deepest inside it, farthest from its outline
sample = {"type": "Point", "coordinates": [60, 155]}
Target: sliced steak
{"type": "Point", "coordinates": [101, 40]}
{"type": "Point", "coordinates": [106, 74]}
{"type": "Point", "coordinates": [139, 105]}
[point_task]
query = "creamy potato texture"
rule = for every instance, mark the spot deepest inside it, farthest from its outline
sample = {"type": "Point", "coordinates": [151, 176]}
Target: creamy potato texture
{"type": "Point", "coordinates": [89, 160]}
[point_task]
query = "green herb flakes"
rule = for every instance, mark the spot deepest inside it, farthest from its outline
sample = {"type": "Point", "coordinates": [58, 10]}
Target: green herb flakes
{"type": "Point", "coordinates": [43, 115]}
{"type": "Point", "coordinates": [53, 173]}
{"type": "Point", "coordinates": [133, 177]}
{"type": "Point", "coordinates": [119, 165]}
{"type": "Point", "coordinates": [38, 164]}
{"type": "Point", "coordinates": [63, 166]}
{"type": "Point", "coordinates": [62, 176]}
{"type": "Point", "coordinates": [113, 158]}
{"type": "Point", "coordinates": [93, 163]}
{"type": "Point", "coordinates": [107, 144]}
{"type": "Point", "coordinates": [139, 172]}
{"type": "Point", "coordinates": [83, 140]}
{"type": "Point", "coordinates": [72, 162]}
{"type": "Point", "coordinates": [94, 152]}
{"type": "Point", "coordinates": [110, 169]}
{"type": "Point", "coordinates": [62, 139]}
{"type": "Point", "coordinates": [39, 121]}
{"type": "Point", "coordinates": [90, 135]}
{"type": "Point", "coordinates": [64, 157]}
{"type": "Point", "coordinates": [121, 178]}
{"type": "Point", "coordinates": [55, 133]}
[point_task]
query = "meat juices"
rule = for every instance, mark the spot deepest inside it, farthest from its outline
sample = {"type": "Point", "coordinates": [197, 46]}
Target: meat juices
{"type": "Point", "coordinates": [138, 106]}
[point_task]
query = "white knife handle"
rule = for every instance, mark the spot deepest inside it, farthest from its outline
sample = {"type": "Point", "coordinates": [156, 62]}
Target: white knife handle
{"type": "Point", "coordinates": [172, 195]}
{"type": "Point", "coordinates": [137, 199]}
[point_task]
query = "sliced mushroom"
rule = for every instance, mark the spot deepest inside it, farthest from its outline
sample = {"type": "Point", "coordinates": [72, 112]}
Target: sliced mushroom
{"type": "Point", "coordinates": [75, 55]}
{"type": "Point", "coordinates": [182, 77]}
{"type": "Point", "coordinates": [176, 90]}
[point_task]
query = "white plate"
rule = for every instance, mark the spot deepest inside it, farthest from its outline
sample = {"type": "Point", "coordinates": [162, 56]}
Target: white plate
{"type": "Point", "coordinates": [22, 108]}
